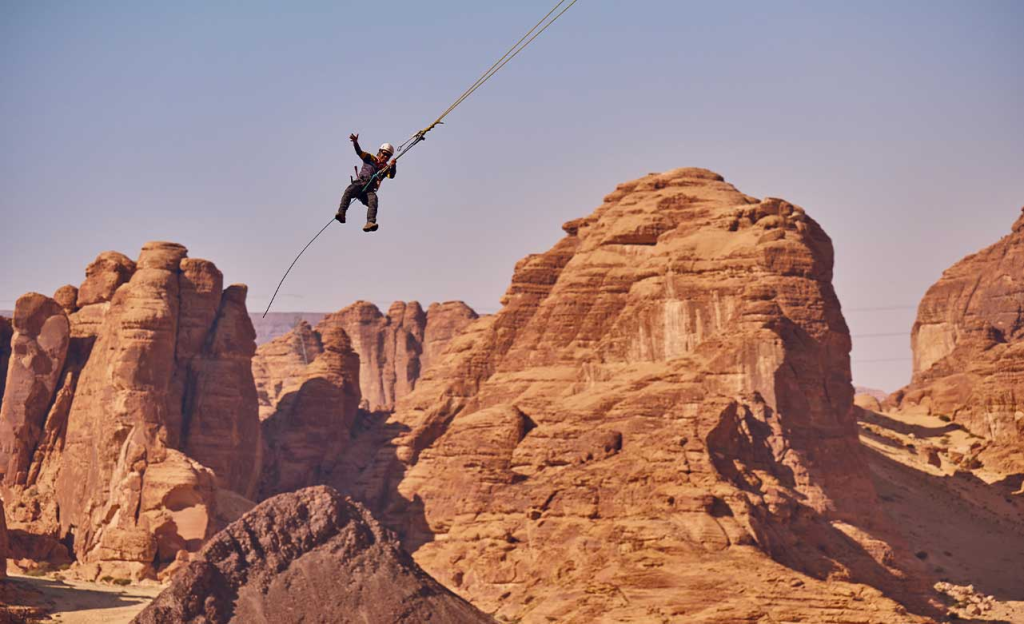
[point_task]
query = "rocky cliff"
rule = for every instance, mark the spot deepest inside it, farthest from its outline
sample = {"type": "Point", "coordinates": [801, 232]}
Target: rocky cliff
{"type": "Point", "coordinates": [656, 425]}
{"type": "Point", "coordinates": [312, 382]}
{"type": "Point", "coordinates": [314, 405]}
{"type": "Point", "coordinates": [307, 556]}
{"type": "Point", "coordinates": [968, 343]}
{"type": "Point", "coordinates": [394, 348]}
{"type": "Point", "coordinates": [130, 414]}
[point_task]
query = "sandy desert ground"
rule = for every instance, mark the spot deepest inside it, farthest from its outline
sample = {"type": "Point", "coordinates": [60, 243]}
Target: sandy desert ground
{"type": "Point", "coordinates": [78, 602]}
{"type": "Point", "coordinates": [967, 525]}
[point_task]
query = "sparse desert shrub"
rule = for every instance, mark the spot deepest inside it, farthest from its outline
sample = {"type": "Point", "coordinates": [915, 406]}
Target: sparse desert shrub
{"type": "Point", "coordinates": [945, 418]}
{"type": "Point", "coordinates": [107, 579]}
{"type": "Point", "coordinates": [42, 569]}
{"type": "Point", "coordinates": [122, 582]}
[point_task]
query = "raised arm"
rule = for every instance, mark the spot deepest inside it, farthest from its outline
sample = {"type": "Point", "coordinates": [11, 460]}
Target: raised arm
{"type": "Point", "coordinates": [363, 156]}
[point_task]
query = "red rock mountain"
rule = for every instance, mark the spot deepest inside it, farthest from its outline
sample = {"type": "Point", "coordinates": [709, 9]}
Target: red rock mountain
{"type": "Point", "coordinates": [129, 421]}
{"type": "Point", "coordinates": [968, 343]}
{"type": "Point", "coordinates": [307, 556]}
{"type": "Point", "coordinates": [656, 426]}
{"type": "Point", "coordinates": [311, 382]}
{"type": "Point", "coordinates": [314, 408]}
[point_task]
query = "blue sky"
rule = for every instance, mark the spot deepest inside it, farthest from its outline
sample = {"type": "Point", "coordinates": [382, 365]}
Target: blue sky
{"type": "Point", "coordinates": [224, 126]}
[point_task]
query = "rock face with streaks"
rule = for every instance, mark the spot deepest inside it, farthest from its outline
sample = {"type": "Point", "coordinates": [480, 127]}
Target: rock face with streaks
{"type": "Point", "coordinates": [311, 381]}
{"type": "Point", "coordinates": [134, 426]}
{"type": "Point", "coordinates": [656, 426]}
{"type": "Point", "coordinates": [314, 410]}
{"type": "Point", "coordinates": [968, 343]}
{"type": "Point", "coordinates": [395, 348]}
{"type": "Point", "coordinates": [306, 556]}
{"type": "Point", "coordinates": [38, 349]}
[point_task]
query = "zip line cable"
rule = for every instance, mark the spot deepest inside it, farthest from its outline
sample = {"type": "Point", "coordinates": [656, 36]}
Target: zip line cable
{"type": "Point", "coordinates": [512, 52]}
{"type": "Point", "coordinates": [421, 135]}
{"type": "Point", "coordinates": [293, 264]}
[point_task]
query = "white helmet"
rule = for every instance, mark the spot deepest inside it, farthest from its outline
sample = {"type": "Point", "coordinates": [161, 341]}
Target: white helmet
{"type": "Point", "coordinates": [388, 148]}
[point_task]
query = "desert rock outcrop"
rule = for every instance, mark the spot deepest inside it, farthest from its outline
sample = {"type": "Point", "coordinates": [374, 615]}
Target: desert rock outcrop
{"type": "Point", "coordinates": [395, 348]}
{"type": "Point", "coordinates": [306, 556]}
{"type": "Point", "coordinates": [314, 409]}
{"type": "Point", "coordinates": [657, 426]}
{"type": "Point", "coordinates": [968, 343]}
{"type": "Point", "coordinates": [311, 382]}
{"type": "Point", "coordinates": [133, 422]}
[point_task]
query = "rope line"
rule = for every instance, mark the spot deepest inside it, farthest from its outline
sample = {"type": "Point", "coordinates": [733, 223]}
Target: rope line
{"type": "Point", "coordinates": [412, 141]}
{"type": "Point", "coordinates": [293, 264]}
{"type": "Point", "coordinates": [493, 69]}
{"type": "Point", "coordinates": [510, 54]}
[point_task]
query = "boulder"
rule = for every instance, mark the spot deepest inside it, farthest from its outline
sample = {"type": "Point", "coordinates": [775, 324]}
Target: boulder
{"type": "Point", "coordinates": [306, 556]}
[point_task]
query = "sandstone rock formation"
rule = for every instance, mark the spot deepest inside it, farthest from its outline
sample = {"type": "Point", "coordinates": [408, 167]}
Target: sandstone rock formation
{"type": "Point", "coordinates": [657, 426]}
{"type": "Point", "coordinates": [968, 343]}
{"type": "Point", "coordinates": [306, 556]}
{"type": "Point", "coordinates": [311, 381]}
{"type": "Point", "coordinates": [314, 410]}
{"type": "Point", "coordinates": [67, 297]}
{"type": "Point", "coordinates": [38, 349]}
{"type": "Point", "coordinates": [127, 431]}
{"type": "Point", "coordinates": [277, 324]}
{"type": "Point", "coordinates": [395, 348]}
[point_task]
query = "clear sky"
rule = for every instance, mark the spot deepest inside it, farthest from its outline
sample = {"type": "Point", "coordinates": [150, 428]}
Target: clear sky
{"type": "Point", "coordinates": [223, 126]}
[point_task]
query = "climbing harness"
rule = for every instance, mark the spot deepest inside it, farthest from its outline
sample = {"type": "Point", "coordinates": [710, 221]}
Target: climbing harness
{"type": "Point", "coordinates": [420, 136]}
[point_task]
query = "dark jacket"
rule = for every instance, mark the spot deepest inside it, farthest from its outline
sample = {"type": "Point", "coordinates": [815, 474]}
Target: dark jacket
{"type": "Point", "coordinates": [370, 167]}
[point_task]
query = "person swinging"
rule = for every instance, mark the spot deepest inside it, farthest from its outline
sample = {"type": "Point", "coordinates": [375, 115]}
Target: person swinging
{"type": "Point", "coordinates": [364, 187]}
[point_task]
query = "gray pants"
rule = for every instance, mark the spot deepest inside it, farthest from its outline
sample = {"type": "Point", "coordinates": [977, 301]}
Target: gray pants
{"type": "Point", "coordinates": [369, 199]}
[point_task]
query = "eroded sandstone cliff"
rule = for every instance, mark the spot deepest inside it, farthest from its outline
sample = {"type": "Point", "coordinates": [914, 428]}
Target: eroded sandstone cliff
{"type": "Point", "coordinates": [130, 417]}
{"type": "Point", "coordinates": [312, 381]}
{"type": "Point", "coordinates": [314, 407]}
{"type": "Point", "coordinates": [393, 348]}
{"type": "Point", "coordinates": [656, 425]}
{"type": "Point", "coordinates": [968, 343]}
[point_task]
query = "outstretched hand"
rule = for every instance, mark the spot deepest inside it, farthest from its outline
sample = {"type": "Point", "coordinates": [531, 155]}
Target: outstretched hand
{"type": "Point", "coordinates": [354, 138]}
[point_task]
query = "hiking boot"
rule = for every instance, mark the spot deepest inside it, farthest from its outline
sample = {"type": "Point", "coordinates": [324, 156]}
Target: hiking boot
{"type": "Point", "coordinates": [340, 216]}
{"type": "Point", "coordinates": [370, 226]}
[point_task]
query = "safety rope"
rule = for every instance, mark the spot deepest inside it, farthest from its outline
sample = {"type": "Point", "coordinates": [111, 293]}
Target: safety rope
{"type": "Point", "coordinates": [412, 141]}
{"type": "Point", "coordinates": [512, 52]}
{"type": "Point", "coordinates": [293, 264]}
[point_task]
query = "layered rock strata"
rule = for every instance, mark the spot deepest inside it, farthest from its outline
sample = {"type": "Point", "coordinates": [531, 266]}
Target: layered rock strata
{"type": "Point", "coordinates": [395, 348]}
{"type": "Point", "coordinates": [131, 422]}
{"type": "Point", "coordinates": [306, 556]}
{"type": "Point", "coordinates": [315, 407]}
{"type": "Point", "coordinates": [656, 425]}
{"type": "Point", "coordinates": [968, 343]}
